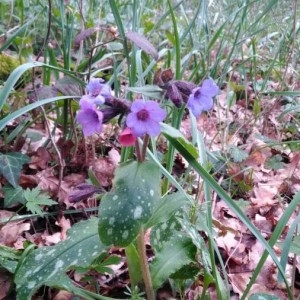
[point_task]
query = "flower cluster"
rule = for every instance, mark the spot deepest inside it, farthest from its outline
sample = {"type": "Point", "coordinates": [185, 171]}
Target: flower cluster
{"type": "Point", "coordinates": [198, 99]}
{"type": "Point", "coordinates": [143, 118]}
{"type": "Point", "coordinates": [89, 116]}
{"type": "Point", "coordinates": [98, 106]}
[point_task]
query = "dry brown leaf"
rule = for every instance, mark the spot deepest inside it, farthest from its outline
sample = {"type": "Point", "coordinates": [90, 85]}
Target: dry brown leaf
{"type": "Point", "coordinates": [52, 239]}
{"type": "Point", "coordinates": [40, 160]}
{"type": "Point", "coordinates": [104, 170]}
{"type": "Point", "coordinates": [10, 232]}
{"type": "Point", "coordinates": [65, 225]}
{"type": "Point", "coordinates": [63, 295]}
{"type": "Point", "coordinates": [5, 282]}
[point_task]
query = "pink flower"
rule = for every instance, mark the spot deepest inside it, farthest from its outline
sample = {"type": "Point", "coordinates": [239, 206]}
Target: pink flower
{"type": "Point", "coordinates": [145, 117]}
{"type": "Point", "coordinates": [201, 98]}
{"type": "Point", "coordinates": [90, 118]}
{"type": "Point", "coordinates": [126, 138]}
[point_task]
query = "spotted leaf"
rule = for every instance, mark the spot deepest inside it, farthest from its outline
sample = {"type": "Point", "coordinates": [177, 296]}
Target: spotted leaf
{"type": "Point", "coordinates": [48, 265]}
{"type": "Point", "coordinates": [175, 253]}
{"type": "Point", "coordinates": [130, 204]}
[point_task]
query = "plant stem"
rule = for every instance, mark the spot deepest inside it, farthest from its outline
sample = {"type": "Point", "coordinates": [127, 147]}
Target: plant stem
{"type": "Point", "coordinates": [144, 265]}
{"type": "Point", "coordinates": [138, 151]}
{"type": "Point", "coordinates": [145, 145]}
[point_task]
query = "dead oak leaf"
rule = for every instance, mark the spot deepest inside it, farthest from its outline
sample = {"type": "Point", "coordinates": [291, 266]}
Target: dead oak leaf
{"type": "Point", "coordinates": [40, 159]}
{"type": "Point", "coordinates": [264, 195]}
{"type": "Point", "coordinates": [104, 170]}
{"type": "Point", "coordinates": [50, 184]}
{"type": "Point", "coordinates": [10, 232]}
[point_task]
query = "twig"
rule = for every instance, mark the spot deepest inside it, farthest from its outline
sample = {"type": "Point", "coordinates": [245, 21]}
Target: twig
{"type": "Point", "coordinates": [60, 159]}
{"type": "Point", "coordinates": [48, 31]}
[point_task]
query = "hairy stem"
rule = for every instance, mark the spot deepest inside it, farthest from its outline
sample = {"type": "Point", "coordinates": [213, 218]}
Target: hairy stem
{"type": "Point", "coordinates": [144, 265]}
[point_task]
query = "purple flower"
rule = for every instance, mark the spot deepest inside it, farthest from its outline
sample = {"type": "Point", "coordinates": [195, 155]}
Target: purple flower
{"type": "Point", "coordinates": [90, 118]}
{"type": "Point", "coordinates": [201, 98]}
{"type": "Point", "coordinates": [145, 117]}
{"type": "Point", "coordinates": [98, 91]}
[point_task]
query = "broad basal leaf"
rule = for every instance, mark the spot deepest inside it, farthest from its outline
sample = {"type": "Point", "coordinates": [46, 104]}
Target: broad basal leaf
{"type": "Point", "coordinates": [130, 204]}
{"type": "Point", "coordinates": [166, 207]}
{"type": "Point", "coordinates": [163, 232]}
{"type": "Point", "coordinates": [48, 265]}
{"type": "Point", "coordinates": [11, 165]}
{"type": "Point", "coordinates": [176, 253]}
{"type": "Point", "coordinates": [9, 258]}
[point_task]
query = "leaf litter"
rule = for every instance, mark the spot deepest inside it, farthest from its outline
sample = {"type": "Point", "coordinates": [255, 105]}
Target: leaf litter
{"type": "Point", "coordinates": [261, 175]}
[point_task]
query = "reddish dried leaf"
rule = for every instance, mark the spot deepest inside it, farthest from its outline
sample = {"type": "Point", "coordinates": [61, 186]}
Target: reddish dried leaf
{"type": "Point", "coordinates": [142, 43]}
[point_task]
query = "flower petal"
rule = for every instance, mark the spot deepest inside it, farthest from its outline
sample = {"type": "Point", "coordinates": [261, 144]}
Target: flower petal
{"type": "Point", "coordinates": [152, 128]}
{"type": "Point", "coordinates": [126, 138]}
{"type": "Point", "coordinates": [137, 105]}
{"type": "Point", "coordinates": [197, 105]}
{"type": "Point", "coordinates": [90, 119]}
{"type": "Point", "coordinates": [139, 129]}
{"type": "Point", "coordinates": [209, 88]}
{"type": "Point", "coordinates": [131, 120]}
{"type": "Point", "coordinates": [145, 117]}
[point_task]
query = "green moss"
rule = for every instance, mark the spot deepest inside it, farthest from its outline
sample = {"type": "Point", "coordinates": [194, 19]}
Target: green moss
{"type": "Point", "coordinates": [7, 65]}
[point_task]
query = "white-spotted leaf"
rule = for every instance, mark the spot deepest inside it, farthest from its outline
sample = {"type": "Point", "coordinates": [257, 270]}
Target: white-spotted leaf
{"type": "Point", "coordinates": [130, 204]}
{"type": "Point", "coordinates": [48, 265]}
{"type": "Point", "coordinates": [163, 232]}
{"type": "Point", "coordinates": [176, 253]}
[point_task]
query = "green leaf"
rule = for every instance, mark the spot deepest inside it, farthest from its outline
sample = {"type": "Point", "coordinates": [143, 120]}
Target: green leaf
{"type": "Point", "coordinates": [261, 296]}
{"type": "Point", "coordinates": [199, 242]}
{"type": "Point", "coordinates": [176, 253]}
{"type": "Point", "coordinates": [134, 265]}
{"type": "Point", "coordinates": [176, 137]}
{"type": "Point", "coordinates": [34, 198]}
{"type": "Point", "coordinates": [101, 263]}
{"type": "Point", "coordinates": [295, 246]}
{"type": "Point", "coordinates": [29, 107]}
{"type": "Point", "coordinates": [48, 265]}
{"type": "Point", "coordinates": [152, 91]}
{"type": "Point", "coordinates": [275, 163]}
{"type": "Point", "coordinates": [13, 78]}
{"type": "Point", "coordinates": [163, 232]}
{"type": "Point", "coordinates": [130, 204]}
{"type": "Point", "coordinates": [237, 154]}
{"type": "Point", "coordinates": [13, 195]}
{"type": "Point", "coordinates": [166, 207]}
{"type": "Point", "coordinates": [11, 165]}
{"type": "Point", "coordinates": [9, 258]}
